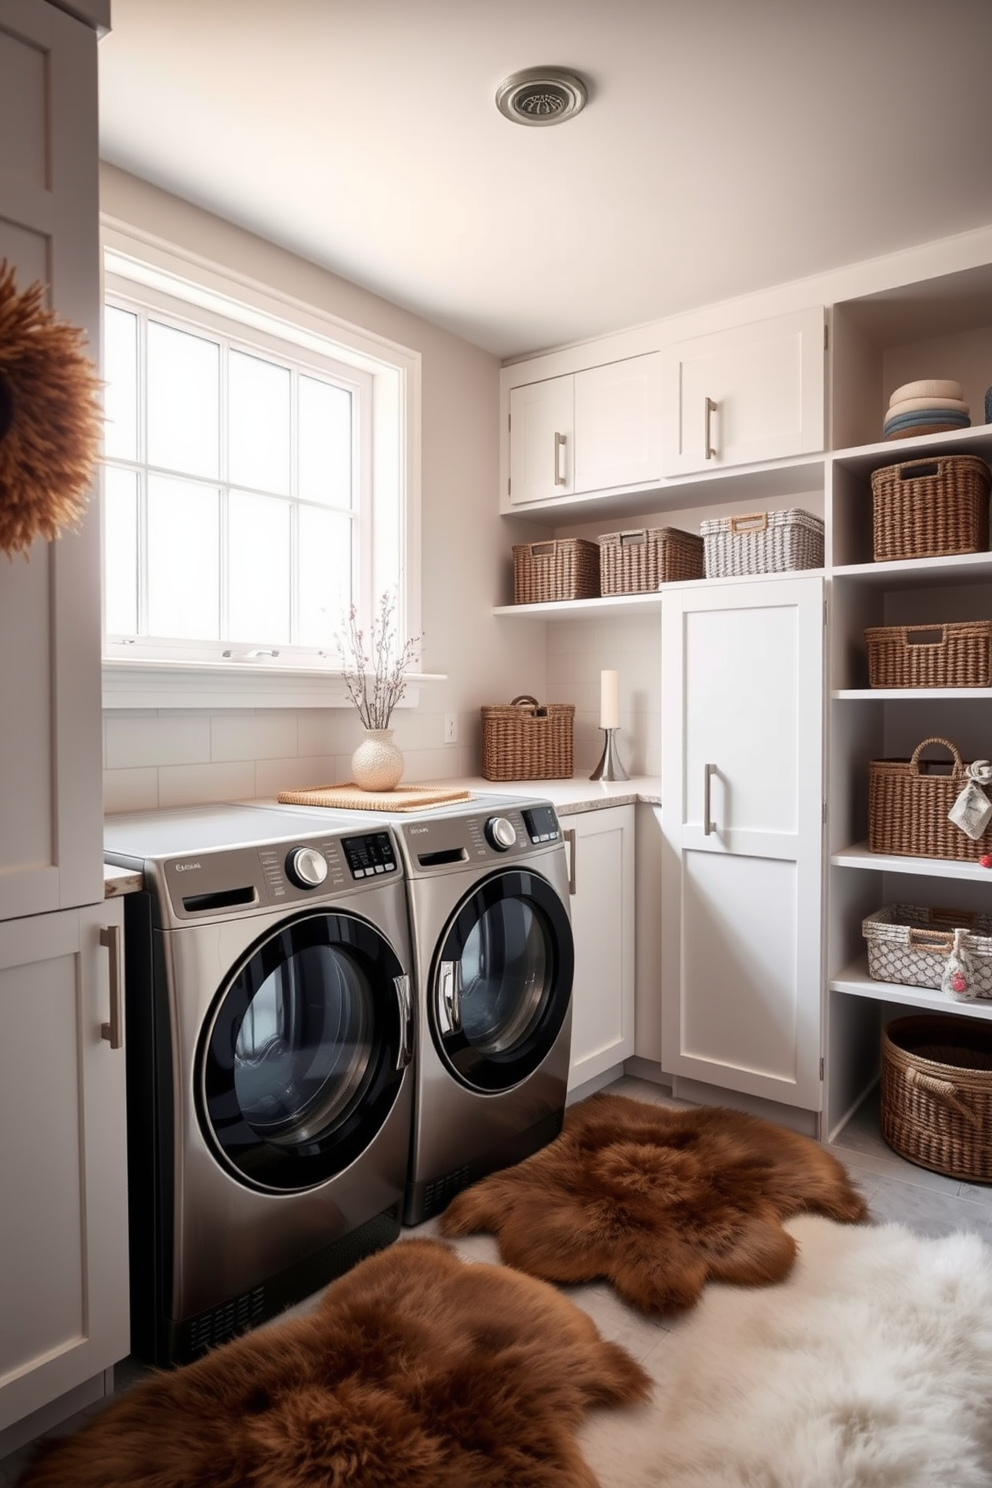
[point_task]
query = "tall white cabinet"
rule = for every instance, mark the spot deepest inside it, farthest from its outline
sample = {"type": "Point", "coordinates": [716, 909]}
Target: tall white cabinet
{"type": "Point", "coordinates": [742, 814]}
{"type": "Point", "coordinates": [63, 1223]}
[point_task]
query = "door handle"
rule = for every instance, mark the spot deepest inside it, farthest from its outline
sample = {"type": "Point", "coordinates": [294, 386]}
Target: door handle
{"type": "Point", "coordinates": [569, 836]}
{"type": "Point", "coordinates": [402, 985]}
{"type": "Point", "coordinates": [708, 772]}
{"type": "Point", "coordinates": [709, 408]}
{"type": "Point", "coordinates": [110, 936]}
{"type": "Point", "coordinates": [450, 1003]}
{"type": "Point", "coordinates": [559, 463]}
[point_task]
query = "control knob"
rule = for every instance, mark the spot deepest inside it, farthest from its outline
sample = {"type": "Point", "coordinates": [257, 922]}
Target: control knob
{"type": "Point", "coordinates": [306, 867]}
{"type": "Point", "coordinates": [500, 833]}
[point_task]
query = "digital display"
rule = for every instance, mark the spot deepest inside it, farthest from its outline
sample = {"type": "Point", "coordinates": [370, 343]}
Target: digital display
{"type": "Point", "coordinates": [541, 823]}
{"type": "Point", "coordinates": [370, 854]}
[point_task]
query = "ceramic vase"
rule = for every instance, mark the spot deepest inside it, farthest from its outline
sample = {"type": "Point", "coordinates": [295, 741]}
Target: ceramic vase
{"type": "Point", "coordinates": [377, 763]}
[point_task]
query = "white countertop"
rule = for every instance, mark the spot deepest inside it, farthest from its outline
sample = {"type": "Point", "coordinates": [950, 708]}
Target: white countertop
{"type": "Point", "coordinates": [569, 796]}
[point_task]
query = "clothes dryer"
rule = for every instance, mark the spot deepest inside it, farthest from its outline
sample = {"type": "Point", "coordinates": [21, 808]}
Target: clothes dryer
{"type": "Point", "coordinates": [270, 1037]}
{"type": "Point", "coordinates": [487, 884]}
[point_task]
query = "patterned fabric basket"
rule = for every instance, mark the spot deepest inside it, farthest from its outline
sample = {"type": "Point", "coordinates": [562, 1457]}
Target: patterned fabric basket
{"type": "Point", "coordinates": [564, 568]}
{"type": "Point", "coordinates": [930, 508]}
{"type": "Point", "coordinates": [762, 542]}
{"type": "Point", "coordinates": [638, 560]}
{"type": "Point", "coordinates": [910, 944]}
{"type": "Point", "coordinates": [937, 1093]}
{"type": "Point", "coordinates": [908, 802]}
{"type": "Point", "coordinates": [525, 741]}
{"type": "Point", "coordinates": [958, 654]}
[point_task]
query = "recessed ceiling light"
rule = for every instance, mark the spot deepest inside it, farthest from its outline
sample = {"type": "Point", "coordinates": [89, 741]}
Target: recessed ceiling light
{"type": "Point", "coordinates": [541, 95]}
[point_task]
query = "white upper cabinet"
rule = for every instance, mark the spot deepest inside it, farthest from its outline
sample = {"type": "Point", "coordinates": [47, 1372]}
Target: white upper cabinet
{"type": "Point", "coordinates": [743, 395]}
{"type": "Point", "coordinates": [598, 429]}
{"type": "Point", "coordinates": [51, 807]}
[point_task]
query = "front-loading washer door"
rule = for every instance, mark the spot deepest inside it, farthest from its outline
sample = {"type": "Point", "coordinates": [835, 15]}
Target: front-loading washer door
{"type": "Point", "coordinates": [501, 981]}
{"type": "Point", "coordinates": [303, 1055]}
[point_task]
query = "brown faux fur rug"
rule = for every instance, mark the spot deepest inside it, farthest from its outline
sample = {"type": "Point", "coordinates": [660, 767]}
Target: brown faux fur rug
{"type": "Point", "coordinates": [658, 1201]}
{"type": "Point", "coordinates": [418, 1370]}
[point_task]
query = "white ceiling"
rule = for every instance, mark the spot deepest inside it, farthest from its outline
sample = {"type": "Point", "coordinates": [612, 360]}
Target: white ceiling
{"type": "Point", "coordinates": [727, 144]}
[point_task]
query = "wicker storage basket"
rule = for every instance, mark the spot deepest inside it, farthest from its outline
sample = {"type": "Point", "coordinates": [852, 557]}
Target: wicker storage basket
{"type": "Point", "coordinates": [958, 654]}
{"type": "Point", "coordinates": [564, 568]}
{"type": "Point", "coordinates": [937, 1093]}
{"type": "Point", "coordinates": [910, 944]}
{"type": "Point", "coordinates": [762, 542]}
{"type": "Point", "coordinates": [929, 508]}
{"type": "Point", "coordinates": [638, 560]}
{"type": "Point", "coordinates": [908, 802]}
{"type": "Point", "coordinates": [524, 741]}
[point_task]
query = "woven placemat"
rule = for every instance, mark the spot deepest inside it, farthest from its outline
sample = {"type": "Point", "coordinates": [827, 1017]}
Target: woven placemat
{"type": "Point", "coordinates": [352, 798]}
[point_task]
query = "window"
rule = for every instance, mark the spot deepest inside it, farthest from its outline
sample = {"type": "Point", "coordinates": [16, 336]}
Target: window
{"type": "Point", "coordinates": [243, 509]}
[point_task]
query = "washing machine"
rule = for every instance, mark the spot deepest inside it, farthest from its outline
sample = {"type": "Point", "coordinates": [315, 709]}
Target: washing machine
{"type": "Point", "coordinates": [270, 1029]}
{"type": "Point", "coordinates": [487, 883]}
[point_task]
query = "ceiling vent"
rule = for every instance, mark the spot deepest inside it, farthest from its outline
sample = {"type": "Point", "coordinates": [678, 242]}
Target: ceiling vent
{"type": "Point", "coordinates": [541, 95]}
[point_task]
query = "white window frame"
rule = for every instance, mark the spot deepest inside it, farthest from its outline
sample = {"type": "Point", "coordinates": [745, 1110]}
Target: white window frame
{"type": "Point", "coordinates": [160, 275]}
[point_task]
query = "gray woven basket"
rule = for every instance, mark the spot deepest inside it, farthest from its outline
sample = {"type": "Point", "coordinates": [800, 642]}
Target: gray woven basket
{"type": "Point", "coordinates": [910, 944]}
{"type": "Point", "coordinates": [762, 542]}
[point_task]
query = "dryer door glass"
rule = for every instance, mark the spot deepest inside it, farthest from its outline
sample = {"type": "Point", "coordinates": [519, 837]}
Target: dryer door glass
{"type": "Point", "coordinates": [303, 1056]}
{"type": "Point", "coordinates": [502, 981]}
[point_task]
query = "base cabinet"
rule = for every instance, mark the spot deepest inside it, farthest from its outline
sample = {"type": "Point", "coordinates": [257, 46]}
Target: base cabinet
{"type": "Point", "coordinates": [601, 879]}
{"type": "Point", "coordinates": [63, 1213]}
{"type": "Point", "coordinates": [742, 818]}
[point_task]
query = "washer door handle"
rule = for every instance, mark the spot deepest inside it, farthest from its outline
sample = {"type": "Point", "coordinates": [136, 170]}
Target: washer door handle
{"type": "Point", "coordinates": [402, 985]}
{"type": "Point", "coordinates": [449, 1007]}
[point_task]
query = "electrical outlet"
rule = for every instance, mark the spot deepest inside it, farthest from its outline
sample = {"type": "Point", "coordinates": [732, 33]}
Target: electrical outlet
{"type": "Point", "coordinates": [451, 728]}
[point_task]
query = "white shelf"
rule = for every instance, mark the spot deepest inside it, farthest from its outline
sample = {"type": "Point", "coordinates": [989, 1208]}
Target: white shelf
{"type": "Point", "coordinates": [589, 609]}
{"type": "Point", "coordinates": [855, 981]}
{"type": "Point", "coordinates": [859, 856]}
{"type": "Point", "coordinates": [909, 694]}
{"type": "Point", "coordinates": [917, 573]}
{"type": "Point", "coordinates": [863, 459]}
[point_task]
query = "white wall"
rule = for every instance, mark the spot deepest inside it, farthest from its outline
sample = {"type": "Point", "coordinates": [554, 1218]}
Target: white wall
{"type": "Point", "coordinates": [166, 757]}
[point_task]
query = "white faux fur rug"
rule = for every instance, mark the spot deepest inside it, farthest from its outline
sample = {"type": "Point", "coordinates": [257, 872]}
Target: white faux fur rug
{"type": "Point", "coordinates": [870, 1367]}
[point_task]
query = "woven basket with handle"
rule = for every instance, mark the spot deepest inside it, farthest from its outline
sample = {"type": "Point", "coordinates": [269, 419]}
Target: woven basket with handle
{"type": "Point", "coordinates": [930, 508]}
{"type": "Point", "coordinates": [957, 654]}
{"type": "Point", "coordinates": [937, 1093]}
{"type": "Point", "coordinates": [908, 802]}
{"type": "Point", "coordinates": [525, 740]}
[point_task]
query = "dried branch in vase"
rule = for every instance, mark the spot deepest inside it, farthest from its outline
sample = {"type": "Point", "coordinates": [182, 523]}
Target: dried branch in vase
{"type": "Point", "coordinates": [375, 677]}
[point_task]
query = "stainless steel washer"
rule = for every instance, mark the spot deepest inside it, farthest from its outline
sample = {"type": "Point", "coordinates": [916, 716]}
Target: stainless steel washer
{"type": "Point", "coordinates": [493, 957]}
{"type": "Point", "coordinates": [270, 1039]}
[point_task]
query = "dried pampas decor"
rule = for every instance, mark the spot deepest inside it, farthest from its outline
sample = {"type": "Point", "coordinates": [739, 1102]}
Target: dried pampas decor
{"type": "Point", "coordinates": [51, 422]}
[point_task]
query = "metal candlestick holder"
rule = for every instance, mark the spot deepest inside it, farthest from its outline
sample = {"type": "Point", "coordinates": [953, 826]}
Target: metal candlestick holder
{"type": "Point", "coordinates": [610, 766]}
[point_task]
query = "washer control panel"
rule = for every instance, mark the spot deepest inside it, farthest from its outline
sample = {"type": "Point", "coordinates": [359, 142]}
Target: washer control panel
{"type": "Point", "coordinates": [306, 867]}
{"type": "Point", "coordinates": [370, 855]}
{"type": "Point", "coordinates": [500, 833]}
{"type": "Point", "coordinates": [541, 823]}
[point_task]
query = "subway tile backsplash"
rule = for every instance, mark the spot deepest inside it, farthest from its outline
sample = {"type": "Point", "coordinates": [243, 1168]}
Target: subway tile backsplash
{"type": "Point", "coordinates": [171, 757]}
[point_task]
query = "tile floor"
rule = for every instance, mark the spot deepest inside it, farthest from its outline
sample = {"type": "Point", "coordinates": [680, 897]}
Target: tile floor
{"type": "Point", "coordinates": [895, 1190]}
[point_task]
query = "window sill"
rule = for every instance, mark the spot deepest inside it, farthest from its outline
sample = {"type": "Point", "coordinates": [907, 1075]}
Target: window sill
{"type": "Point", "coordinates": [213, 685]}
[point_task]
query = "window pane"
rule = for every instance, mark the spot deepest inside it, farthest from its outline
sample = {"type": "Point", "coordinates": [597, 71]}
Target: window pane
{"type": "Point", "coordinates": [259, 423]}
{"type": "Point", "coordinates": [183, 401]}
{"type": "Point", "coordinates": [183, 559]}
{"type": "Point", "coordinates": [120, 396]}
{"type": "Point", "coordinates": [259, 569]}
{"type": "Point", "coordinates": [325, 443]}
{"type": "Point", "coordinates": [325, 575]}
{"type": "Point", "coordinates": [120, 550]}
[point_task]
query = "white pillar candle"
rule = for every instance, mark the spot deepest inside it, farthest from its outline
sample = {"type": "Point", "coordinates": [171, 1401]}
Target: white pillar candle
{"type": "Point", "coordinates": [609, 700]}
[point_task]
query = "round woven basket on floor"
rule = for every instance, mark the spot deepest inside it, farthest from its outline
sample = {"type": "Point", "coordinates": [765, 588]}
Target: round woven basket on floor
{"type": "Point", "coordinates": [937, 1093]}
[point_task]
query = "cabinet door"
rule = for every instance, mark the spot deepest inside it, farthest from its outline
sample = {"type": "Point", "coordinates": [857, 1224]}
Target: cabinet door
{"type": "Point", "coordinates": [51, 806]}
{"type": "Point", "coordinates": [744, 395]}
{"type": "Point", "coordinates": [601, 884]}
{"type": "Point", "coordinates": [542, 440]}
{"type": "Point", "coordinates": [63, 1214]}
{"type": "Point", "coordinates": [742, 669]}
{"type": "Point", "coordinates": [618, 424]}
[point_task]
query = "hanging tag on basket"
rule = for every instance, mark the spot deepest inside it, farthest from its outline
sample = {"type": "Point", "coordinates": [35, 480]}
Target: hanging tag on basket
{"type": "Point", "coordinates": [959, 973]}
{"type": "Point", "coordinates": [972, 810]}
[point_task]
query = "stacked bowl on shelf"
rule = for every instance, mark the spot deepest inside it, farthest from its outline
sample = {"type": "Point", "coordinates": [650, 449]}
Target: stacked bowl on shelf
{"type": "Point", "coordinates": [933, 406]}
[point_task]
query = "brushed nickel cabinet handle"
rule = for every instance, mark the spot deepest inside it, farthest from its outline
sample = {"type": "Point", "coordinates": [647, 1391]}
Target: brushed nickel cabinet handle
{"type": "Point", "coordinates": [559, 462]}
{"type": "Point", "coordinates": [709, 409]}
{"type": "Point", "coordinates": [569, 836]}
{"type": "Point", "coordinates": [708, 772]}
{"type": "Point", "coordinates": [110, 936]}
